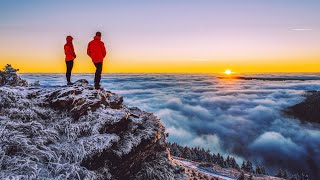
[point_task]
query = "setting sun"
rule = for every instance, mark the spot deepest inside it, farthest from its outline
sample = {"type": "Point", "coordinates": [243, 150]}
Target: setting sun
{"type": "Point", "coordinates": [228, 72]}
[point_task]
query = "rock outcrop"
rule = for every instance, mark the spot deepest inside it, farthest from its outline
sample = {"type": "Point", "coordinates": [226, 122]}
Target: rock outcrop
{"type": "Point", "coordinates": [308, 110]}
{"type": "Point", "coordinates": [77, 132]}
{"type": "Point", "coordinates": [9, 77]}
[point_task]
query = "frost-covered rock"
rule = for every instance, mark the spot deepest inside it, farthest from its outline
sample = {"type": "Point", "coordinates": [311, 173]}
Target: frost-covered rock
{"type": "Point", "coordinates": [9, 77]}
{"type": "Point", "coordinates": [77, 132]}
{"type": "Point", "coordinates": [78, 100]}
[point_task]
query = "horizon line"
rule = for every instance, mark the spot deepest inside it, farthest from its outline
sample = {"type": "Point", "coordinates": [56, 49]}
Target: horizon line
{"type": "Point", "coordinates": [234, 73]}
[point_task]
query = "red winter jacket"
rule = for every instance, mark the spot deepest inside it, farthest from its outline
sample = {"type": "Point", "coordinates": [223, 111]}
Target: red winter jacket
{"type": "Point", "coordinates": [69, 50]}
{"type": "Point", "coordinates": [96, 50]}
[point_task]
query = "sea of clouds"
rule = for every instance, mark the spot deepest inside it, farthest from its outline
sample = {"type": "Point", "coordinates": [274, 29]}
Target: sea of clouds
{"type": "Point", "coordinates": [242, 118]}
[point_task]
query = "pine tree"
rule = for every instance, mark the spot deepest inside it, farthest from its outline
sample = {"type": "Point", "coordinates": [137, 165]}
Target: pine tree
{"type": "Point", "coordinates": [249, 167]}
{"type": "Point", "coordinates": [257, 171]}
{"type": "Point", "coordinates": [243, 166]}
{"type": "Point", "coordinates": [225, 164]}
{"type": "Point", "coordinates": [295, 177]}
{"type": "Point", "coordinates": [241, 176]}
{"type": "Point", "coordinates": [234, 164]}
{"type": "Point", "coordinates": [228, 161]}
{"type": "Point", "coordinates": [285, 175]}
{"type": "Point", "coordinates": [260, 170]}
{"type": "Point", "coordinates": [263, 171]}
{"type": "Point", "coordinates": [280, 173]}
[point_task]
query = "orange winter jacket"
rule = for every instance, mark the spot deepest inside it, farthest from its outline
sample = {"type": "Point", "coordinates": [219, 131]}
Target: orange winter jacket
{"type": "Point", "coordinates": [69, 50]}
{"type": "Point", "coordinates": [96, 50]}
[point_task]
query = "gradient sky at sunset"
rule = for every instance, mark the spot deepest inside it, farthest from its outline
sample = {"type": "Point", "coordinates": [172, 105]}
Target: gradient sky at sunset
{"type": "Point", "coordinates": [198, 36]}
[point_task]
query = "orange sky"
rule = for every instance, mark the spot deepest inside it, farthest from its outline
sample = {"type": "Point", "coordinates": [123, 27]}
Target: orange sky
{"type": "Point", "coordinates": [83, 65]}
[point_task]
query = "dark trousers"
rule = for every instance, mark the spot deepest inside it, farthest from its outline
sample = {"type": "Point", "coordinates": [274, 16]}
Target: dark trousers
{"type": "Point", "coordinates": [97, 75]}
{"type": "Point", "coordinates": [69, 69]}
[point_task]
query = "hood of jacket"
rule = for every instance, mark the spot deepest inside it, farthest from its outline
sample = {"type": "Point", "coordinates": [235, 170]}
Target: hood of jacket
{"type": "Point", "coordinates": [69, 39]}
{"type": "Point", "coordinates": [97, 38]}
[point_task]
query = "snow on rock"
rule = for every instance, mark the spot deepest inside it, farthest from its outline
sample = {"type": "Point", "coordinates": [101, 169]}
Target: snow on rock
{"type": "Point", "coordinates": [78, 99]}
{"type": "Point", "coordinates": [77, 132]}
{"type": "Point", "coordinates": [9, 77]}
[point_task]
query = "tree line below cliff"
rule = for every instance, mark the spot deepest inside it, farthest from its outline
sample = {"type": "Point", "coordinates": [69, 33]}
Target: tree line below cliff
{"type": "Point", "coordinates": [201, 155]}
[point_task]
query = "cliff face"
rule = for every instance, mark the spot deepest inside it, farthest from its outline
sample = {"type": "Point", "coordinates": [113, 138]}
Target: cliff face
{"type": "Point", "coordinates": [77, 132]}
{"type": "Point", "coordinates": [308, 110]}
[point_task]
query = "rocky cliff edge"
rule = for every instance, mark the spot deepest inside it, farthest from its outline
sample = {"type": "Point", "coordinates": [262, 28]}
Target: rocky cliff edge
{"type": "Point", "coordinates": [77, 132]}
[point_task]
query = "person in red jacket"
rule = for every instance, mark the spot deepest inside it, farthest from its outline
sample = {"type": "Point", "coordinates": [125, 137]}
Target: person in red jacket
{"type": "Point", "coordinates": [97, 51]}
{"type": "Point", "coordinates": [70, 56]}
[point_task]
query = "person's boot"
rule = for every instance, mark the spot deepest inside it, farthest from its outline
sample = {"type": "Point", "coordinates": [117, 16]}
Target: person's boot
{"type": "Point", "coordinates": [97, 86]}
{"type": "Point", "coordinates": [69, 83]}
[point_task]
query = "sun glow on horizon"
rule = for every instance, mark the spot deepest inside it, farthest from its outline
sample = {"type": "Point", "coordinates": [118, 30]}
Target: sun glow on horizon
{"type": "Point", "coordinates": [228, 72]}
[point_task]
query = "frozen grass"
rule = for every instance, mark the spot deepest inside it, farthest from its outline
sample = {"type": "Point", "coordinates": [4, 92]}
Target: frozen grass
{"type": "Point", "coordinates": [42, 135]}
{"type": "Point", "coordinates": [76, 132]}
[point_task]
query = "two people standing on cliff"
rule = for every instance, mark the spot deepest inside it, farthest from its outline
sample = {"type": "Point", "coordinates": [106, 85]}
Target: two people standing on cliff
{"type": "Point", "coordinates": [96, 51]}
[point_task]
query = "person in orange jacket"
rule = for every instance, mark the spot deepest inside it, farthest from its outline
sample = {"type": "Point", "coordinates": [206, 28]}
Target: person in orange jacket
{"type": "Point", "coordinates": [70, 56]}
{"type": "Point", "coordinates": [97, 52]}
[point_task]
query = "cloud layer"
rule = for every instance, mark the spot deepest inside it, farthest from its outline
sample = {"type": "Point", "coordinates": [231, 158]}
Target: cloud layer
{"type": "Point", "coordinates": [232, 117]}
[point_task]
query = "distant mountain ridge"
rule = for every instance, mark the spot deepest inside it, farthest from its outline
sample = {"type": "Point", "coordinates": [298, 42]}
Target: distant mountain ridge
{"type": "Point", "coordinates": [270, 78]}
